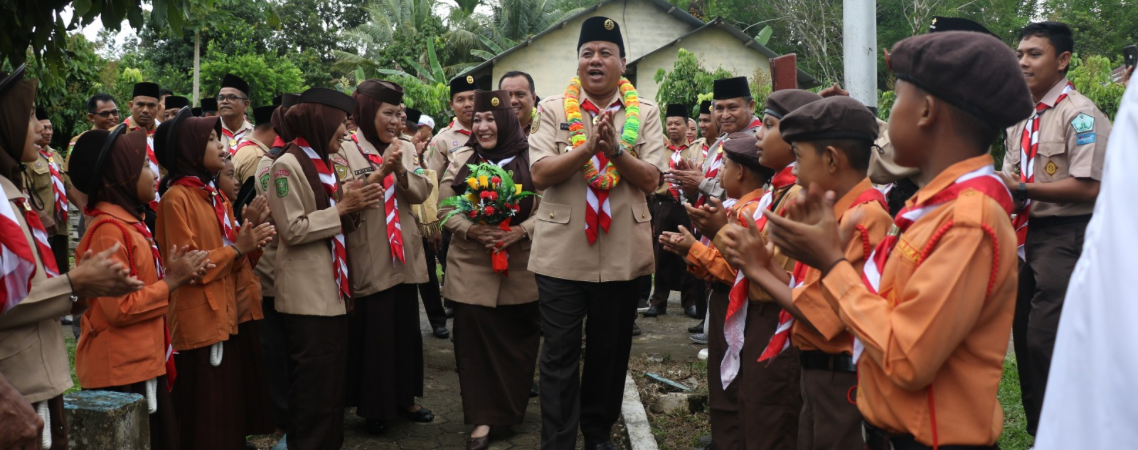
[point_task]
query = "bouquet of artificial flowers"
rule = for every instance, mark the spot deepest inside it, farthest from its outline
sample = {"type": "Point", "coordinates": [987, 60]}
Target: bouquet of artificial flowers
{"type": "Point", "coordinates": [491, 198]}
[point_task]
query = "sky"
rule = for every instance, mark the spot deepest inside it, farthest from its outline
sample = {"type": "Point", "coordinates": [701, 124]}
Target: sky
{"type": "Point", "coordinates": [91, 32]}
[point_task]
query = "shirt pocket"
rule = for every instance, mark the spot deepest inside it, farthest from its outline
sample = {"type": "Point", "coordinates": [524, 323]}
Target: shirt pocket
{"type": "Point", "coordinates": [40, 167]}
{"type": "Point", "coordinates": [554, 213]}
{"type": "Point", "coordinates": [641, 212]}
{"type": "Point", "coordinates": [1052, 162]}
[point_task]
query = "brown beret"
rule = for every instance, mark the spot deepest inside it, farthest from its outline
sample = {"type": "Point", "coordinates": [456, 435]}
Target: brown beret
{"type": "Point", "coordinates": [781, 103]}
{"type": "Point", "coordinates": [971, 71]}
{"type": "Point", "coordinates": [384, 91]}
{"type": "Point", "coordinates": [837, 117]}
{"type": "Point", "coordinates": [740, 147]}
{"type": "Point", "coordinates": [488, 101]}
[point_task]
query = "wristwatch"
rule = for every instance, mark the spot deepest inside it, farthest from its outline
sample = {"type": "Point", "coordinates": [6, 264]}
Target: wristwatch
{"type": "Point", "coordinates": [1021, 192]}
{"type": "Point", "coordinates": [617, 154]}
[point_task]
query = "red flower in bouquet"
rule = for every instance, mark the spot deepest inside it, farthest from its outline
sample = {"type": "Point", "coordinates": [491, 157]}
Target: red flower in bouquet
{"type": "Point", "coordinates": [493, 195]}
{"type": "Point", "coordinates": [496, 180]}
{"type": "Point", "coordinates": [489, 210]}
{"type": "Point", "coordinates": [485, 194]}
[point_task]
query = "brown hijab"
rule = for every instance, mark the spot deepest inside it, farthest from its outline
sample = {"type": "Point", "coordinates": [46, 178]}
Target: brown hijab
{"type": "Point", "coordinates": [278, 120]}
{"type": "Point", "coordinates": [186, 158]}
{"type": "Point", "coordinates": [512, 142]}
{"type": "Point", "coordinates": [369, 96]}
{"type": "Point", "coordinates": [17, 104]}
{"type": "Point", "coordinates": [116, 181]}
{"type": "Point", "coordinates": [315, 123]}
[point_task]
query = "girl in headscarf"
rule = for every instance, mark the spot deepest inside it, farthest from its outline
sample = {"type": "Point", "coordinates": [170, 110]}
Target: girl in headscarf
{"type": "Point", "coordinates": [124, 344]}
{"type": "Point", "coordinates": [385, 348]}
{"type": "Point", "coordinates": [312, 293]}
{"type": "Point", "coordinates": [33, 295]}
{"type": "Point", "coordinates": [496, 317]}
{"type": "Point", "coordinates": [208, 394]}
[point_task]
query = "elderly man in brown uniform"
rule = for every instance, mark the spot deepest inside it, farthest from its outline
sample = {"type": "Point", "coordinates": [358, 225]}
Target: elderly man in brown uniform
{"type": "Point", "coordinates": [48, 188]}
{"type": "Point", "coordinates": [594, 236]}
{"type": "Point", "coordinates": [385, 348]}
{"type": "Point", "coordinates": [232, 102]}
{"type": "Point", "coordinates": [1053, 166]}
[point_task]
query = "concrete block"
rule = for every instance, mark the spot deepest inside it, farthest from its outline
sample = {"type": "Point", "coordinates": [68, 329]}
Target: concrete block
{"type": "Point", "coordinates": [99, 420]}
{"type": "Point", "coordinates": [670, 403]}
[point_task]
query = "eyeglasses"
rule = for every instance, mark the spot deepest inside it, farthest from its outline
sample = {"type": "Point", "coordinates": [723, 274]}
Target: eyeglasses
{"type": "Point", "coordinates": [106, 114]}
{"type": "Point", "coordinates": [229, 98]}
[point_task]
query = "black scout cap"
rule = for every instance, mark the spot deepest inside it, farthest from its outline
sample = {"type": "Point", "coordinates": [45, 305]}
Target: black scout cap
{"type": "Point", "coordinates": [837, 117]}
{"type": "Point", "coordinates": [601, 29]}
{"type": "Point", "coordinates": [263, 114]}
{"type": "Point", "coordinates": [287, 100]}
{"type": "Point", "coordinates": [676, 110]}
{"type": "Point", "coordinates": [942, 24]}
{"type": "Point", "coordinates": [197, 112]}
{"type": "Point", "coordinates": [145, 89]}
{"type": "Point", "coordinates": [209, 104]}
{"type": "Point", "coordinates": [177, 102]}
{"type": "Point", "coordinates": [92, 150]}
{"type": "Point", "coordinates": [166, 139]}
{"type": "Point", "coordinates": [460, 84]}
{"type": "Point", "coordinates": [235, 82]}
{"type": "Point", "coordinates": [945, 65]}
{"type": "Point", "coordinates": [10, 79]}
{"type": "Point", "coordinates": [781, 103]}
{"type": "Point", "coordinates": [384, 91]}
{"type": "Point", "coordinates": [705, 107]}
{"type": "Point", "coordinates": [731, 88]}
{"type": "Point", "coordinates": [41, 114]}
{"type": "Point", "coordinates": [740, 147]}
{"type": "Point", "coordinates": [489, 101]}
{"type": "Point", "coordinates": [328, 97]}
{"type": "Point", "coordinates": [413, 115]}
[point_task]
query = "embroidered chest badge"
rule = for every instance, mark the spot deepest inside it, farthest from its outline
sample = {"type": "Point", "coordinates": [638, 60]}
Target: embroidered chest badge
{"type": "Point", "coordinates": [1083, 123]}
{"type": "Point", "coordinates": [1050, 168]}
{"type": "Point", "coordinates": [282, 187]}
{"type": "Point", "coordinates": [341, 172]}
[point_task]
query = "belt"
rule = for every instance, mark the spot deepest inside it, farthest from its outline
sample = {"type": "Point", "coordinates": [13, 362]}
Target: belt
{"type": "Point", "coordinates": [819, 360]}
{"type": "Point", "coordinates": [1053, 221]}
{"type": "Point", "coordinates": [878, 439]}
{"type": "Point", "coordinates": [666, 198]}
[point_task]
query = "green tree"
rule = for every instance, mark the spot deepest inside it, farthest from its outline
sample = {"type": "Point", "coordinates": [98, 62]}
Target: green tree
{"type": "Point", "coordinates": [313, 34]}
{"type": "Point", "coordinates": [397, 30]}
{"type": "Point", "coordinates": [268, 75]}
{"type": "Point", "coordinates": [688, 81]}
{"type": "Point", "coordinates": [65, 97]}
{"type": "Point", "coordinates": [1101, 27]}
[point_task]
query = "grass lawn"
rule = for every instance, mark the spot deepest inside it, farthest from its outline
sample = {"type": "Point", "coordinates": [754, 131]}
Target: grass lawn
{"type": "Point", "coordinates": [1015, 435]}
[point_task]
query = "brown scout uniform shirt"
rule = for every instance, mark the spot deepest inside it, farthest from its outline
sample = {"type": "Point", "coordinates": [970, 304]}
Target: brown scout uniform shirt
{"type": "Point", "coordinates": [1072, 143]}
{"type": "Point", "coordinates": [239, 136]}
{"type": "Point", "coordinates": [32, 355]}
{"type": "Point", "coordinates": [304, 281]}
{"type": "Point", "coordinates": [937, 336]}
{"type": "Point", "coordinates": [370, 262]}
{"type": "Point", "coordinates": [43, 187]}
{"type": "Point", "coordinates": [560, 248]}
{"type": "Point", "coordinates": [826, 331]}
{"type": "Point", "coordinates": [246, 159]}
{"type": "Point", "coordinates": [446, 142]}
{"type": "Point", "coordinates": [265, 266]}
{"type": "Point", "coordinates": [691, 151]}
{"type": "Point", "coordinates": [470, 277]}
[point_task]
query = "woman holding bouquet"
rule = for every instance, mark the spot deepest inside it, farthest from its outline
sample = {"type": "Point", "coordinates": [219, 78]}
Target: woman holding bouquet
{"type": "Point", "coordinates": [496, 318]}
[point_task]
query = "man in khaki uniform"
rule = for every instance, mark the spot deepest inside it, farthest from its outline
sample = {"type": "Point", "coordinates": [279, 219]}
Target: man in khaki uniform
{"type": "Point", "coordinates": [50, 187]}
{"type": "Point", "coordinates": [1052, 166]}
{"type": "Point", "coordinates": [453, 136]}
{"type": "Point", "coordinates": [255, 145]}
{"type": "Point", "coordinates": [591, 242]}
{"type": "Point", "coordinates": [232, 102]}
{"type": "Point", "coordinates": [523, 96]}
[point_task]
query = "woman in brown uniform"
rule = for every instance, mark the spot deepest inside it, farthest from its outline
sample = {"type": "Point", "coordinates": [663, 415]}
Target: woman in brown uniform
{"type": "Point", "coordinates": [496, 318]}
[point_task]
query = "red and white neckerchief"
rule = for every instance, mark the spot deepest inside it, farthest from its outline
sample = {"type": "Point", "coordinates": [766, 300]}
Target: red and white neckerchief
{"type": "Point", "coordinates": [17, 263]}
{"type": "Point", "coordinates": [151, 158]}
{"type": "Point", "coordinates": [677, 156]}
{"type": "Point", "coordinates": [339, 250]}
{"type": "Point", "coordinates": [390, 208]}
{"type": "Point", "coordinates": [983, 180]}
{"type": "Point", "coordinates": [235, 138]}
{"type": "Point", "coordinates": [228, 235]}
{"type": "Point", "coordinates": [712, 168]}
{"type": "Point", "coordinates": [171, 371]}
{"type": "Point", "coordinates": [457, 126]}
{"type": "Point", "coordinates": [57, 188]}
{"type": "Point", "coordinates": [1029, 148]}
{"type": "Point", "coordinates": [780, 341]}
{"type": "Point", "coordinates": [736, 321]}
{"type": "Point", "coordinates": [598, 211]}
{"type": "Point", "coordinates": [705, 147]}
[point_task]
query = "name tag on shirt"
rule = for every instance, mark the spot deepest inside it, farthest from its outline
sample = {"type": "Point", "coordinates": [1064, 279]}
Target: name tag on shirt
{"type": "Point", "coordinates": [1085, 138]}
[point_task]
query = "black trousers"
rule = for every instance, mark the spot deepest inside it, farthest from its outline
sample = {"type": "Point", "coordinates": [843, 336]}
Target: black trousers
{"type": "Point", "coordinates": [442, 257]}
{"type": "Point", "coordinates": [61, 250]}
{"type": "Point", "coordinates": [274, 349]}
{"type": "Point", "coordinates": [430, 293]}
{"type": "Point", "coordinates": [1051, 252]}
{"type": "Point", "coordinates": [318, 353]}
{"type": "Point", "coordinates": [591, 399]}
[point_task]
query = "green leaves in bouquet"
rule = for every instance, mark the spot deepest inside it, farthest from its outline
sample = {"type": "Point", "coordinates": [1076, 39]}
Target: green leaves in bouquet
{"type": "Point", "coordinates": [473, 206]}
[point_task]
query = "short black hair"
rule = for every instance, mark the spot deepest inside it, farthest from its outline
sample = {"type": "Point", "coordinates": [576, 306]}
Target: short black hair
{"type": "Point", "coordinates": [856, 150]}
{"type": "Point", "coordinates": [763, 174]}
{"type": "Point", "coordinates": [93, 102]}
{"type": "Point", "coordinates": [164, 92]}
{"type": "Point", "coordinates": [518, 73]}
{"type": "Point", "coordinates": [1057, 32]}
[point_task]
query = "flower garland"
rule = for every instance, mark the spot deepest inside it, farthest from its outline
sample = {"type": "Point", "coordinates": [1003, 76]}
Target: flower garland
{"type": "Point", "coordinates": [610, 177]}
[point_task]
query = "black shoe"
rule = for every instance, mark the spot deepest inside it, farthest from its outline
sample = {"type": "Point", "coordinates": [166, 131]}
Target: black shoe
{"type": "Point", "coordinates": [606, 445]}
{"type": "Point", "coordinates": [635, 329]}
{"type": "Point", "coordinates": [423, 415]}
{"type": "Point", "coordinates": [441, 332]}
{"type": "Point", "coordinates": [376, 427]}
{"type": "Point", "coordinates": [655, 311]}
{"type": "Point", "coordinates": [534, 391]}
{"type": "Point", "coordinates": [698, 328]}
{"type": "Point", "coordinates": [691, 312]}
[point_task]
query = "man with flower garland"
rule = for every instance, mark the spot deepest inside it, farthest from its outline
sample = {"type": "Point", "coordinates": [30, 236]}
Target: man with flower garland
{"type": "Point", "coordinates": [596, 152]}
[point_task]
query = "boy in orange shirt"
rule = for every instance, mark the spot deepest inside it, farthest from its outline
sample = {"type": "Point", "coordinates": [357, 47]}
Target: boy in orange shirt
{"type": "Point", "coordinates": [832, 140]}
{"type": "Point", "coordinates": [933, 306]}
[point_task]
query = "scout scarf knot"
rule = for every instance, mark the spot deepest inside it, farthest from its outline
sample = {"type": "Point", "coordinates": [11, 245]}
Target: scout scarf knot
{"type": "Point", "coordinates": [390, 207]}
{"type": "Point", "coordinates": [58, 190]}
{"type": "Point", "coordinates": [1029, 148]}
{"type": "Point", "coordinates": [600, 173]}
{"type": "Point", "coordinates": [339, 251]}
{"type": "Point", "coordinates": [228, 236]}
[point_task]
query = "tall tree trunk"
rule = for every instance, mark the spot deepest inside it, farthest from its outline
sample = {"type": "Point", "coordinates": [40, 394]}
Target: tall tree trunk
{"type": "Point", "coordinates": [197, 63]}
